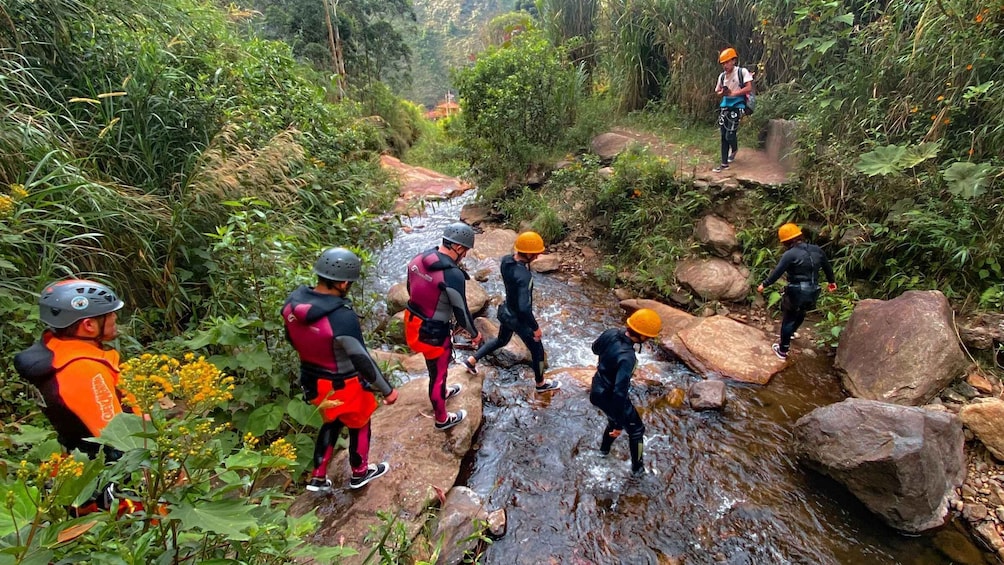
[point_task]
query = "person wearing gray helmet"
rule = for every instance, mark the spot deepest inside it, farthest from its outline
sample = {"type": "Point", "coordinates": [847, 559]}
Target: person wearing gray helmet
{"type": "Point", "coordinates": [75, 371]}
{"type": "Point", "coordinates": [437, 295]}
{"type": "Point", "coordinates": [336, 370]}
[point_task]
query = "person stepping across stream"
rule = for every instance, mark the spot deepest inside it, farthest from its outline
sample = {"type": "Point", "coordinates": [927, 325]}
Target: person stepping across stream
{"type": "Point", "coordinates": [516, 313]}
{"type": "Point", "coordinates": [617, 360]}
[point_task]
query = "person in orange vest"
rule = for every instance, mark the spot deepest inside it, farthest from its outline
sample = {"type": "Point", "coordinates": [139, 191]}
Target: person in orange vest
{"type": "Point", "coordinates": [800, 263]}
{"type": "Point", "coordinates": [609, 391]}
{"type": "Point", "coordinates": [76, 372]}
{"type": "Point", "coordinates": [516, 313]}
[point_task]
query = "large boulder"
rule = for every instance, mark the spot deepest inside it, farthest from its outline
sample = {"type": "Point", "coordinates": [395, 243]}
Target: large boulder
{"type": "Point", "coordinates": [397, 298]}
{"type": "Point", "coordinates": [514, 353]}
{"type": "Point", "coordinates": [721, 346]}
{"type": "Point", "coordinates": [493, 243]}
{"type": "Point", "coordinates": [904, 463]}
{"type": "Point", "coordinates": [459, 524]}
{"type": "Point", "coordinates": [902, 350]}
{"type": "Point", "coordinates": [986, 419]}
{"type": "Point", "coordinates": [609, 145]}
{"type": "Point", "coordinates": [673, 320]}
{"type": "Point", "coordinates": [716, 235]}
{"type": "Point", "coordinates": [706, 395]}
{"type": "Point", "coordinates": [714, 279]}
{"type": "Point", "coordinates": [423, 462]}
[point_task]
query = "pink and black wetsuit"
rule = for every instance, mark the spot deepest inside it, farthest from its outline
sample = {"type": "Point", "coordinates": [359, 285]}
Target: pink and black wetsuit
{"type": "Point", "coordinates": [325, 332]}
{"type": "Point", "coordinates": [436, 286]}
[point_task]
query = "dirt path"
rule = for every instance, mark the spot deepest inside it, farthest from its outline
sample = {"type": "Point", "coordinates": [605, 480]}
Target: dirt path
{"type": "Point", "coordinates": [750, 166]}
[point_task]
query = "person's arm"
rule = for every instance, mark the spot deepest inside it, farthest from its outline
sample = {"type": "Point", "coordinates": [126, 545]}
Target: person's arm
{"type": "Point", "coordinates": [524, 302]}
{"type": "Point", "coordinates": [779, 270]}
{"type": "Point", "coordinates": [350, 338]}
{"type": "Point", "coordinates": [454, 286]}
{"type": "Point", "coordinates": [622, 384]}
{"type": "Point", "coordinates": [828, 271]}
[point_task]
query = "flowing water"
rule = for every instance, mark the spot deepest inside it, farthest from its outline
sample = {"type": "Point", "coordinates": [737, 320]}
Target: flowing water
{"type": "Point", "coordinates": [721, 486]}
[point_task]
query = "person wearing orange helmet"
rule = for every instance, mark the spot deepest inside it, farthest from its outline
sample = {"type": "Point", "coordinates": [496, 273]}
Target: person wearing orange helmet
{"type": "Point", "coordinates": [800, 263]}
{"type": "Point", "coordinates": [516, 313]}
{"type": "Point", "coordinates": [733, 84]}
{"type": "Point", "coordinates": [612, 381]}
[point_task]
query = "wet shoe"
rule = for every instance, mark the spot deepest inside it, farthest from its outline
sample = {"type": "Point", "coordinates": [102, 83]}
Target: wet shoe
{"type": "Point", "coordinates": [470, 364]}
{"type": "Point", "coordinates": [319, 484]}
{"type": "Point", "coordinates": [637, 471]}
{"type": "Point", "coordinates": [720, 168]}
{"type": "Point", "coordinates": [453, 390]}
{"type": "Point", "coordinates": [782, 355]}
{"type": "Point", "coordinates": [548, 385]}
{"type": "Point", "coordinates": [374, 471]}
{"type": "Point", "coordinates": [452, 419]}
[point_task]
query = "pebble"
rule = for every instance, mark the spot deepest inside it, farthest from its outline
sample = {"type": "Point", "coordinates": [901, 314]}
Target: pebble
{"type": "Point", "coordinates": [974, 512]}
{"type": "Point", "coordinates": [1000, 513]}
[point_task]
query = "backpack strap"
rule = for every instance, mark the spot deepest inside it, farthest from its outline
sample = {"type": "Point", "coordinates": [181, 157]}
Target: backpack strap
{"type": "Point", "coordinates": [742, 83]}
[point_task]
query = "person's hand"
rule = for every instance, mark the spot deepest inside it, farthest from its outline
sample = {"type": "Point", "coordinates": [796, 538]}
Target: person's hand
{"type": "Point", "coordinates": [390, 398]}
{"type": "Point", "coordinates": [759, 288]}
{"type": "Point", "coordinates": [537, 334]}
{"type": "Point", "coordinates": [616, 433]}
{"type": "Point", "coordinates": [831, 287]}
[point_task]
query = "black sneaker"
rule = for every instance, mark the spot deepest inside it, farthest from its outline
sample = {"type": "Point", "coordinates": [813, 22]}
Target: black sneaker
{"type": "Point", "coordinates": [453, 390]}
{"type": "Point", "coordinates": [782, 355]}
{"type": "Point", "coordinates": [472, 368]}
{"type": "Point", "coordinates": [720, 168]}
{"type": "Point", "coordinates": [637, 471]}
{"type": "Point", "coordinates": [732, 156]}
{"type": "Point", "coordinates": [452, 419]}
{"type": "Point", "coordinates": [319, 484]}
{"type": "Point", "coordinates": [548, 386]}
{"type": "Point", "coordinates": [374, 471]}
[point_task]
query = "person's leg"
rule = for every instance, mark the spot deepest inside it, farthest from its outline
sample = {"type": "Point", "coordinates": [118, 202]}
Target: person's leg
{"type": "Point", "coordinates": [359, 449]}
{"type": "Point", "coordinates": [733, 143]}
{"type": "Point", "coordinates": [726, 144]}
{"type": "Point", "coordinates": [607, 441]}
{"type": "Point", "coordinates": [636, 436]}
{"type": "Point", "coordinates": [324, 447]}
{"type": "Point", "coordinates": [438, 368]}
{"type": "Point", "coordinates": [505, 335]}
{"type": "Point", "coordinates": [792, 316]}
{"type": "Point", "coordinates": [536, 353]}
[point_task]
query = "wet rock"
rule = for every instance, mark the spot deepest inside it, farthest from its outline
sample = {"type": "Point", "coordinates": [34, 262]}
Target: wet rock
{"type": "Point", "coordinates": [983, 331]}
{"type": "Point", "coordinates": [497, 523]}
{"type": "Point", "coordinates": [623, 293]}
{"type": "Point", "coordinates": [474, 214]}
{"type": "Point", "coordinates": [421, 183]}
{"type": "Point", "coordinates": [422, 460]}
{"type": "Point", "coordinates": [546, 264]}
{"type": "Point", "coordinates": [514, 353]}
{"type": "Point", "coordinates": [966, 390]}
{"type": "Point", "coordinates": [707, 395]}
{"type": "Point", "coordinates": [477, 297]}
{"type": "Point", "coordinates": [986, 420]}
{"type": "Point", "coordinates": [902, 350]}
{"type": "Point", "coordinates": [397, 298]}
{"type": "Point", "coordinates": [957, 547]}
{"type": "Point", "coordinates": [980, 383]}
{"type": "Point", "coordinates": [482, 274]}
{"type": "Point", "coordinates": [713, 279]}
{"type": "Point", "coordinates": [974, 512]}
{"type": "Point", "coordinates": [609, 145]}
{"type": "Point", "coordinates": [722, 346]}
{"type": "Point", "coordinates": [988, 535]}
{"type": "Point", "coordinates": [716, 235]}
{"type": "Point", "coordinates": [904, 463]}
{"type": "Point", "coordinates": [1000, 513]}
{"type": "Point", "coordinates": [458, 524]}
{"type": "Point", "coordinates": [493, 243]}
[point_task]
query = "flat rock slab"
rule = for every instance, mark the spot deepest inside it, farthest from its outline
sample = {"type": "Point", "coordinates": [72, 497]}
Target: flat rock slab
{"type": "Point", "coordinates": [493, 244]}
{"type": "Point", "coordinates": [421, 183]}
{"type": "Point", "coordinates": [722, 346]}
{"type": "Point", "coordinates": [673, 320]}
{"type": "Point", "coordinates": [422, 461]}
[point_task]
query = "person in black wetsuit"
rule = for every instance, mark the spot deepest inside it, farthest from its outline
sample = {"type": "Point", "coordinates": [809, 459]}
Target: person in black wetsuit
{"type": "Point", "coordinates": [516, 313]}
{"type": "Point", "coordinates": [800, 263]}
{"type": "Point", "coordinates": [609, 392]}
{"type": "Point", "coordinates": [337, 373]}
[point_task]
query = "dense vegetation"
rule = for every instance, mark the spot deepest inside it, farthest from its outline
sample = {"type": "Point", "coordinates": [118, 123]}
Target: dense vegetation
{"type": "Point", "coordinates": [899, 133]}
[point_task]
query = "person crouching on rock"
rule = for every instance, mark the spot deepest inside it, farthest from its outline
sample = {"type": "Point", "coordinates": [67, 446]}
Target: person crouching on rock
{"type": "Point", "coordinates": [324, 330]}
{"type": "Point", "coordinates": [516, 313]}
{"type": "Point", "coordinates": [800, 263]}
{"type": "Point", "coordinates": [616, 350]}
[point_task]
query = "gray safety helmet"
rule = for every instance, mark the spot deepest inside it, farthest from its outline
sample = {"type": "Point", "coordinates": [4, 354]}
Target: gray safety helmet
{"type": "Point", "coordinates": [338, 264]}
{"type": "Point", "coordinates": [64, 303]}
{"type": "Point", "coordinates": [459, 233]}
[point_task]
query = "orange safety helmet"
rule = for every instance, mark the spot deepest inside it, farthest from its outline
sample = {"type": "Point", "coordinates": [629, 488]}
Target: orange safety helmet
{"type": "Point", "coordinates": [529, 242]}
{"type": "Point", "coordinates": [788, 231]}
{"type": "Point", "coordinates": [727, 55]}
{"type": "Point", "coordinates": [645, 322]}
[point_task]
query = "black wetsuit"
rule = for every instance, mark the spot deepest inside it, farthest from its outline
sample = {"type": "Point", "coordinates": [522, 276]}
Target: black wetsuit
{"type": "Point", "coordinates": [516, 315]}
{"type": "Point", "coordinates": [801, 264]}
{"type": "Point", "coordinates": [609, 392]}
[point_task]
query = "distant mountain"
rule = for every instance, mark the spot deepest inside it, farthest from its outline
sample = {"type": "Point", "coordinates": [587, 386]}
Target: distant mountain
{"type": "Point", "coordinates": [448, 33]}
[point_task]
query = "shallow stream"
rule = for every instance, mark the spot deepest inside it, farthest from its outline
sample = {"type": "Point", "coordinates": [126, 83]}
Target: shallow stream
{"type": "Point", "coordinates": [721, 487]}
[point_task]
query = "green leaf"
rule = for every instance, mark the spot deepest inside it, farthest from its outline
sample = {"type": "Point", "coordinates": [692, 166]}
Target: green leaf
{"type": "Point", "coordinates": [845, 19]}
{"type": "Point", "coordinates": [882, 161]}
{"type": "Point", "coordinates": [125, 432]}
{"type": "Point", "coordinates": [917, 154]}
{"type": "Point", "coordinates": [303, 413]}
{"type": "Point", "coordinates": [230, 518]}
{"type": "Point", "coordinates": [254, 359]}
{"type": "Point", "coordinates": [30, 435]}
{"type": "Point", "coordinates": [825, 46]}
{"type": "Point", "coordinates": [22, 512]}
{"type": "Point", "coordinates": [967, 180]}
{"type": "Point", "coordinates": [265, 418]}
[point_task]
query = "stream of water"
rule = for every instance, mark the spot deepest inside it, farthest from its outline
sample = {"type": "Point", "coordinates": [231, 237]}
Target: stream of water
{"type": "Point", "coordinates": [721, 486]}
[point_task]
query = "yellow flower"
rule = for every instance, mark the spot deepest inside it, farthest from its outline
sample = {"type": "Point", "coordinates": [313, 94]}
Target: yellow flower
{"type": "Point", "coordinates": [946, 121]}
{"type": "Point", "coordinates": [933, 117]}
{"type": "Point", "coordinates": [18, 192]}
{"type": "Point", "coordinates": [969, 67]}
{"type": "Point", "coordinates": [940, 98]}
{"type": "Point", "coordinates": [914, 110]}
{"type": "Point", "coordinates": [250, 440]}
{"type": "Point", "coordinates": [281, 449]}
{"type": "Point", "coordinates": [6, 205]}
